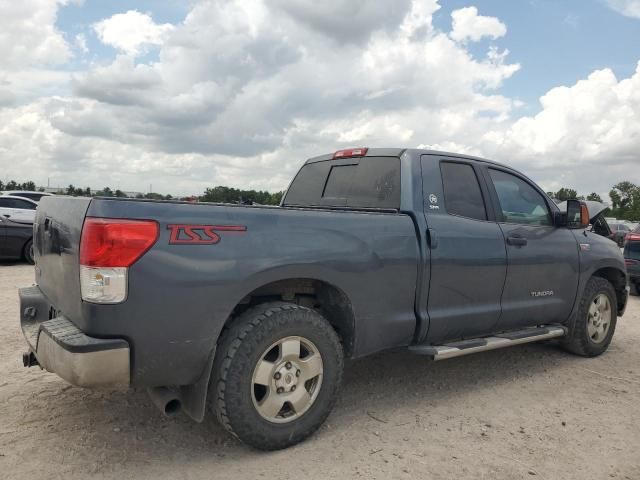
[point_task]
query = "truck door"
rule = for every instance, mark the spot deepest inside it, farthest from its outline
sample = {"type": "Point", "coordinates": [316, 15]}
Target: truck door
{"type": "Point", "coordinates": [542, 260]}
{"type": "Point", "coordinates": [467, 253]}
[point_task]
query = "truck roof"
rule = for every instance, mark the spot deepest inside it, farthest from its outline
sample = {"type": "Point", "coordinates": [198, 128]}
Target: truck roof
{"type": "Point", "coordinates": [396, 152]}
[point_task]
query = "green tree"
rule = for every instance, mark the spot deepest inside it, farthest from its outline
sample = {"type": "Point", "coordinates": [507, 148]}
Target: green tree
{"type": "Point", "coordinates": [11, 185]}
{"type": "Point", "coordinates": [71, 190]}
{"type": "Point", "coordinates": [625, 200]}
{"type": "Point", "coordinates": [566, 194]}
{"type": "Point", "coordinates": [594, 197]}
{"type": "Point", "coordinates": [31, 186]}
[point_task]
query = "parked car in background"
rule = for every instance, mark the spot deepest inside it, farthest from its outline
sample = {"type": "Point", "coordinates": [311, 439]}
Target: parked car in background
{"type": "Point", "coordinates": [619, 231]}
{"type": "Point", "coordinates": [632, 259]}
{"type": "Point", "coordinates": [35, 196]}
{"type": "Point", "coordinates": [16, 240]}
{"type": "Point", "coordinates": [18, 209]}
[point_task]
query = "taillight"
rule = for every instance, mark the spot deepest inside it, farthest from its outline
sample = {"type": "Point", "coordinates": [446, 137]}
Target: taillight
{"type": "Point", "coordinates": [108, 247]}
{"type": "Point", "coordinates": [350, 152]}
{"type": "Point", "coordinates": [629, 261]}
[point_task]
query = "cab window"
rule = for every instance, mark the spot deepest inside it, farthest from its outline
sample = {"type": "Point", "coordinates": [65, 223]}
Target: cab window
{"type": "Point", "coordinates": [519, 201]}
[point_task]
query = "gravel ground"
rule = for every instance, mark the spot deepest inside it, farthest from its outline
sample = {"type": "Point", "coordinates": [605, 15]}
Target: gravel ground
{"type": "Point", "coordinates": [525, 412]}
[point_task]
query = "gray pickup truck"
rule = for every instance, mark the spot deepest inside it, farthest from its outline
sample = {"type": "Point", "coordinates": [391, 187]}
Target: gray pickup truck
{"type": "Point", "coordinates": [249, 311]}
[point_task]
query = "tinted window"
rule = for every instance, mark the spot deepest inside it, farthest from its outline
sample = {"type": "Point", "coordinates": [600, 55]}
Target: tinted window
{"type": "Point", "coordinates": [32, 196]}
{"type": "Point", "coordinates": [632, 250]}
{"type": "Point", "coordinates": [462, 195]}
{"type": "Point", "coordinates": [519, 201]}
{"type": "Point", "coordinates": [5, 202]}
{"type": "Point", "coordinates": [19, 203]}
{"type": "Point", "coordinates": [339, 182]}
{"type": "Point", "coordinates": [368, 182]}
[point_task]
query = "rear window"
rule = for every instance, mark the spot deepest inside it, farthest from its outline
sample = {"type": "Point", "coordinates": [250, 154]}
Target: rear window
{"type": "Point", "coordinates": [632, 250]}
{"type": "Point", "coordinates": [367, 182]}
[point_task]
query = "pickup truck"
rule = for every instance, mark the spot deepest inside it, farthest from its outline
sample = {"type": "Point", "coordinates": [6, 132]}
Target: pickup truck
{"type": "Point", "coordinates": [250, 311]}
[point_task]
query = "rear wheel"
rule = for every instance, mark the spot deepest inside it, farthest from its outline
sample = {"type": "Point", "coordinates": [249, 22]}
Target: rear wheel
{"type": "Point", "coordinates": [27, 252]}
{"type": "Point", "coordinates": [596, 318]}
{"type": "Point", "coordinates": [276, 375]}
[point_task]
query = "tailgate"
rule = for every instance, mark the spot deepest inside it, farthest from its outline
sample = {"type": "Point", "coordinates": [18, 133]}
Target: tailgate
{"type": "Point", "coordinates": [56, 234]}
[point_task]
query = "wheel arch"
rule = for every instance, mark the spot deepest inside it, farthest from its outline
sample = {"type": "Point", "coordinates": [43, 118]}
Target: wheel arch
{"type": "Point", "coordinates": [618, 279]}
{"type": "Point", "coordinates": [318, 294]}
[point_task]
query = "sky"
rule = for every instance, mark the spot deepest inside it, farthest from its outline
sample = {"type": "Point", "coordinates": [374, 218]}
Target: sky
{"type": "Point", "coordinates": [185, 95]}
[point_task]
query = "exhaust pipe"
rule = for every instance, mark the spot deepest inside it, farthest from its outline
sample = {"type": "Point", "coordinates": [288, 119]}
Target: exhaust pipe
{"type": "Point", "coordinates": [29, 359]}
{"type": "Point", "coordinates": [166, 399]}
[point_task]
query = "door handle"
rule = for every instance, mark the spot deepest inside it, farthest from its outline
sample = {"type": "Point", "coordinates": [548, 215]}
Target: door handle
{"type": "Point", "coordinates": [516, 241]}
{"type": "Point", "coordinates": [432, 238]}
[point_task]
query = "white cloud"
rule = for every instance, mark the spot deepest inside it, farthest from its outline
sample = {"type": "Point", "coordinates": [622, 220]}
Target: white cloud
{"type": "Point", "coordinates": [468, 25]}
{"type": "Point", "coordinates": [29, 36]}
{"type": "Point", "coordinates": [131, 32]}
{"type": "Point", "coordinates": [628, 8]}
{"type": "Point", "coordinates": [242, 91]}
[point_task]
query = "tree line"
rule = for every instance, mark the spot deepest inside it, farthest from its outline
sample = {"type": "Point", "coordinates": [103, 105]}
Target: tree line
{"type": "Point", "coordinates": [218, 194]}
{"type": "Point", "coordinates": [625, 196]}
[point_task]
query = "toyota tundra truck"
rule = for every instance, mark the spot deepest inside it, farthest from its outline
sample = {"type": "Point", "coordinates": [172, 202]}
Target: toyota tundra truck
{"type": "Point", "coordinates": [248, 312]}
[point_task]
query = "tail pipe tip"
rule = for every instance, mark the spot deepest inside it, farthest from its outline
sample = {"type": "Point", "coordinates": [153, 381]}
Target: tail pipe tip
{"type": "Point", "coordinates": [166, 399]}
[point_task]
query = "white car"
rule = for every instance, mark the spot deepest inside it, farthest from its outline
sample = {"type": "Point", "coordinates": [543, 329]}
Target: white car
{"type": "Point", "coordinates": [35, 196]}
{"type": "Point", "coordinates": [18, 209]}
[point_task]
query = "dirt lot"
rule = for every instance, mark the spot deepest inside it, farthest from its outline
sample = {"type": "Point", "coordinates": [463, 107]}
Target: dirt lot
{"type": "Point", "coordinates": [525, 412]}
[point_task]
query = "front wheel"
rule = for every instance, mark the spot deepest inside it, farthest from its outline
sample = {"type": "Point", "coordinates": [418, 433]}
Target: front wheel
{"type": "Point", "coordinates": [596, 318]}
{"type": "Point", "coordinates": [276, 376]}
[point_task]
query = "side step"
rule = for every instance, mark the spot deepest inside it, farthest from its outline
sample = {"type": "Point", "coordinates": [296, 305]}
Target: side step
{"type": "Point", "coordinates": [502, 340]}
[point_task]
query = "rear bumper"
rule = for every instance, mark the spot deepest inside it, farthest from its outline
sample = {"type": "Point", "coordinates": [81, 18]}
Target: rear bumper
{"type": "Point", "coordinates": [62, 348]}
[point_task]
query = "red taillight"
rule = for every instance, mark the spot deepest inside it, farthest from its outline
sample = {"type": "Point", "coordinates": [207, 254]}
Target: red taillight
{"type": "Point", "coordinates": [350, 152]}
{"type": "Point", "coordinates": [113, 242]}
{"type": "Point", "coordinates": [629, 261]}
{"type": "Point", "coordinates": [632, 236]}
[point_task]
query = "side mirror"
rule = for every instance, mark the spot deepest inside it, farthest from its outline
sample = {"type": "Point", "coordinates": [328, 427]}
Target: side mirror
{"type": "Point", "coordinates": [577, 214]}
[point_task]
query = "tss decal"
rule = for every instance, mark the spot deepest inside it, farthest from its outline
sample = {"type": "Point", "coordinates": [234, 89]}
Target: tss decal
{"type": "Point", "coordinates": [200, 234]}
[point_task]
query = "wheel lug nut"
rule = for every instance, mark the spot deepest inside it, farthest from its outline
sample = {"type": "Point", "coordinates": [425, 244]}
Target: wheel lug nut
{"type": "Point", "coordinates": [293, 388]}
{"type": "Point", "coordinates": [277, 376]}
{"type": "Point", "coordinates": [280, 390]}
{"type": "Point", "coordinates": [297, 373]}
{"type": "Point", "coordinates": [288, 365]}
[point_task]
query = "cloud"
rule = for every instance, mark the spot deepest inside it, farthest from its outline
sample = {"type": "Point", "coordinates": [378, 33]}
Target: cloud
{"type": "Point", "coordinates": [242, 91]}
{"type": "Point", "coordinates": [628, 8]}
{"type": "Point", "coordinates": [131, 32]}
{"type": "Point", "coordinates": [587, 134]}
{"type": "Point", "coordinates": [29, 36]}
{"type": "Point", "coordinates": [468, 25]}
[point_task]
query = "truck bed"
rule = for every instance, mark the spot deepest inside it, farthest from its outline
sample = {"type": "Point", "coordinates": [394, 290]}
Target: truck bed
{"type": "Point", "coordinates": [181, 294]}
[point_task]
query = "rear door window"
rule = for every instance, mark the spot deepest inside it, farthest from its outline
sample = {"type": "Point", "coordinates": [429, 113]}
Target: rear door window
{"type": "Point", "coordinates": [462, 194]}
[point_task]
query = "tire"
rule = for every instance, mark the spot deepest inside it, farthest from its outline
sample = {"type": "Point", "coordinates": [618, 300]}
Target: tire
{"type": "Point", "coordinates": [581, 340]}
{"type": "Point", "coordinates": [27, 252]}
{"type": "Point", "coordinates": [265, 336]}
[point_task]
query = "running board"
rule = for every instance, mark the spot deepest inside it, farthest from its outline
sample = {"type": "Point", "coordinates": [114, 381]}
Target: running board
{"type": "Point", "coordinates": [502, 340]}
